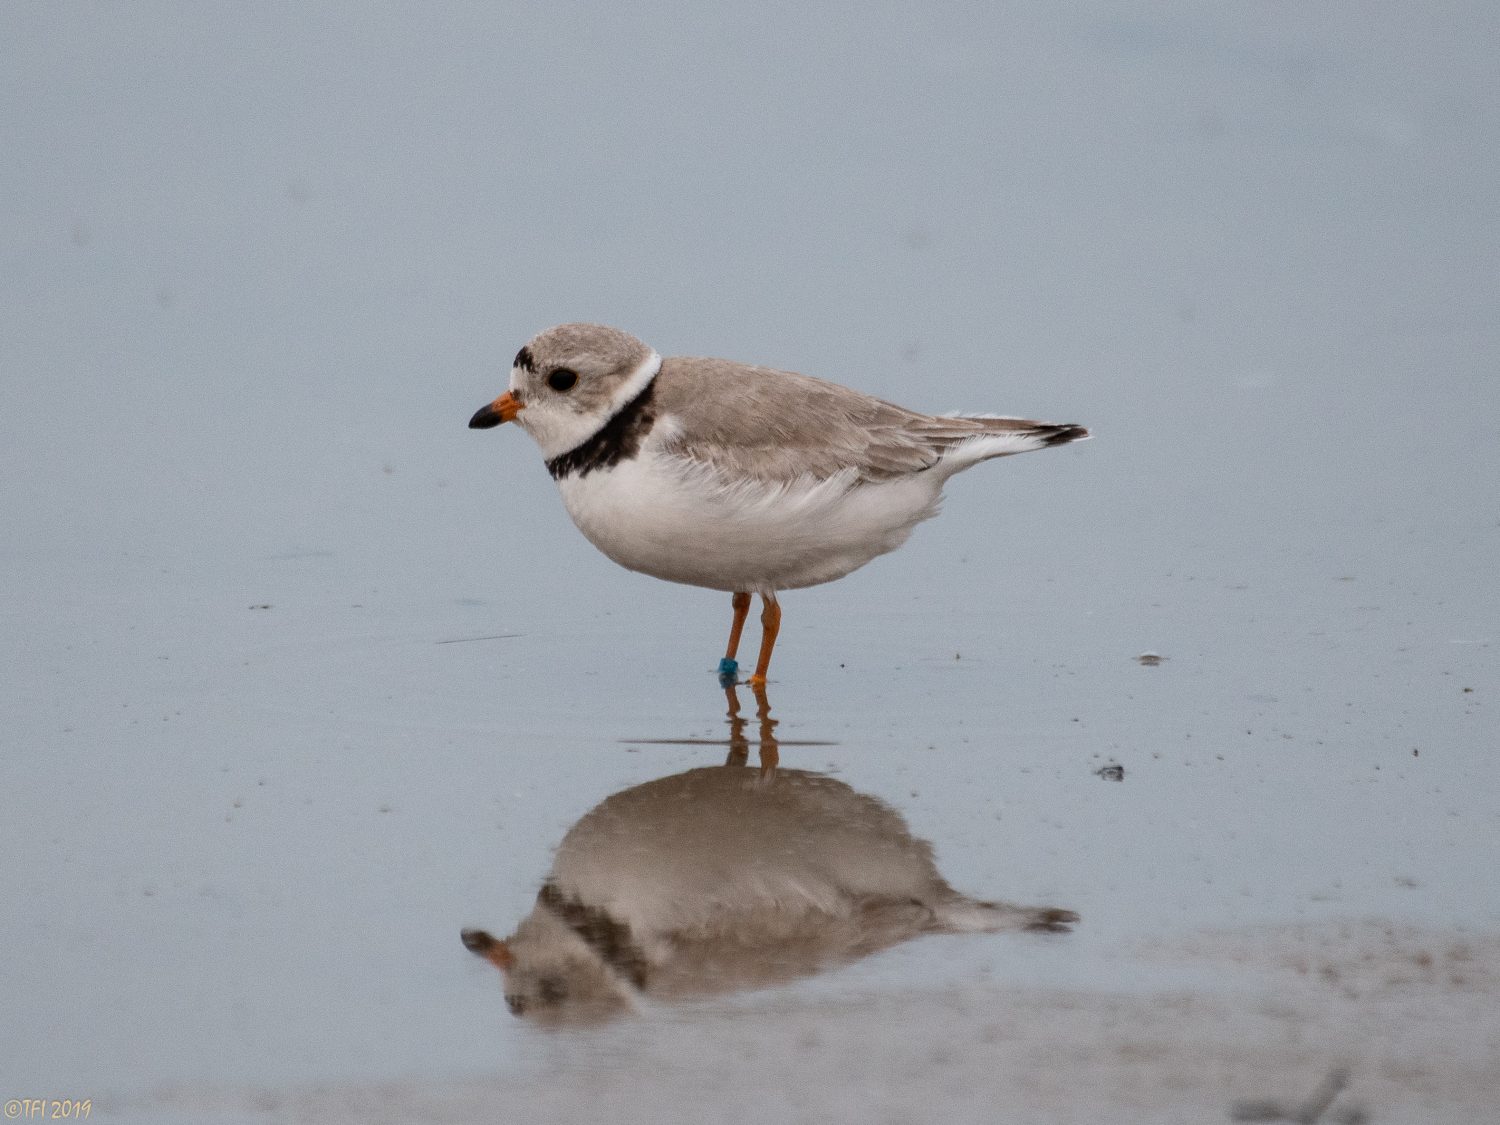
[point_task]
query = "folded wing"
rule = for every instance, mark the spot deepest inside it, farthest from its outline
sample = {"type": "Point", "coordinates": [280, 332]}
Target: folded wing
{"type": "Point", "coordinates": [777, 426]}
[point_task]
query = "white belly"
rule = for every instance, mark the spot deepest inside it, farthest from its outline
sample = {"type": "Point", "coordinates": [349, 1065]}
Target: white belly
{"type": "Point", "coordinates": [664, 517]}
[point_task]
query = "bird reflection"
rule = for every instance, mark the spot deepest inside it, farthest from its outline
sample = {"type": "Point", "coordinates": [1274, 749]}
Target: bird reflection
{"type": "Point", "coordinates": [725, 878]}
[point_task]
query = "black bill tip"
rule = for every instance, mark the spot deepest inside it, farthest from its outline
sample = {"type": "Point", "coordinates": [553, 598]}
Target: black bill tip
{"type": "Point", "coordinates": [477, 941]}
{"type": "Point", "coordinates": [486, 418]}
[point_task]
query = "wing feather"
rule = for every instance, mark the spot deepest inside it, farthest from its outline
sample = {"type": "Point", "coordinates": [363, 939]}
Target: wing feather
{"type": "Point", "coordinates": [778, 426]}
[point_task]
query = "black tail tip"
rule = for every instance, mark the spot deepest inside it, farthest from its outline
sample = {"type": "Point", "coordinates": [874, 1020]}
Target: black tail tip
{"type": "Point", "coordinates": [1061, 435]}
{"type": "Point", "coordinates": [1051, 920]}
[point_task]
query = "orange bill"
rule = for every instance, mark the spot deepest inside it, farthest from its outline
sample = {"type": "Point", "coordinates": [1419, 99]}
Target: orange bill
{"type": "Point", "coordinates": [489, 947]}
{"type": "Point", "coordinates": [503, 409]}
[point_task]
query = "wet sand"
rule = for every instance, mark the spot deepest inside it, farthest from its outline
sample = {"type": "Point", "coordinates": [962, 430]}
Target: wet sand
{"type": "Point", "coordinates": [1394, 1022]}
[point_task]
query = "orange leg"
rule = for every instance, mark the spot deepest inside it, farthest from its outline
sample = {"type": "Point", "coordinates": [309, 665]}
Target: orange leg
{"type": "Point", "coordinates": [739, 742]}
{"type": "Point", "coordinates": [739, 745]}
{"type": "Point", "coordinates": [770, 750]}
{"type": "Point", "coordinates": [770, 625]}
{"type": "Point", "coordinates": [741, 603]}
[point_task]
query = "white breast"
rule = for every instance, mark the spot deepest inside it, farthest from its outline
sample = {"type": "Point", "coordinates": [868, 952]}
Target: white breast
{"type": "Point", "coordinates": [683, 522]}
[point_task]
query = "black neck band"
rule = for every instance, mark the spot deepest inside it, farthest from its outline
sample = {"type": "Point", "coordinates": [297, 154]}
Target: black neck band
{"type": "Point", "coordinates": [606, 936]}
{"type": "Point", "coordinates": [617, 440]}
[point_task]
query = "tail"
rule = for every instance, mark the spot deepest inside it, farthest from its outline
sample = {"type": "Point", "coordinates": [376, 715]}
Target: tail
{"type": "Point", "coordinates": [1060, 433]}
{"type": "Point", "coordinates": [967, 915]}
{"type": "Point", "coordinates": [969, 439]}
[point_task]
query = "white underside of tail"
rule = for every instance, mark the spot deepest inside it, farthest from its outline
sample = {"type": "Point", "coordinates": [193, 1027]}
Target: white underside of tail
{"type": "Point", "coordinates": [985, 446]}
{"type": "Point", "coordinates": [965, 915]}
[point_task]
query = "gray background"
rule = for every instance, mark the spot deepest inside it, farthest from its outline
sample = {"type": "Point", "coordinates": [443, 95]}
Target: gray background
{"type": "Point", "coordinates": [261, 262]}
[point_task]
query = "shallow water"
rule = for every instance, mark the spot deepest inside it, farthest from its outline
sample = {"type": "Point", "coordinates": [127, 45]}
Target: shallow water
{"type": "Point", "coordinates": [301, 677]}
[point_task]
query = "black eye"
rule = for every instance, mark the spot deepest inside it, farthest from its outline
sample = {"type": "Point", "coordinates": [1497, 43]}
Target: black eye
{"type": "Point", "coordinates": [562, 379]}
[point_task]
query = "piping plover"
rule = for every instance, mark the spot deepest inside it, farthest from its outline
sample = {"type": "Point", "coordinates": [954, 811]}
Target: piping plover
{"type": "Point", "coordinates": [721, 879]}
{"type": "Point", "coordinates": [738, 478]}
